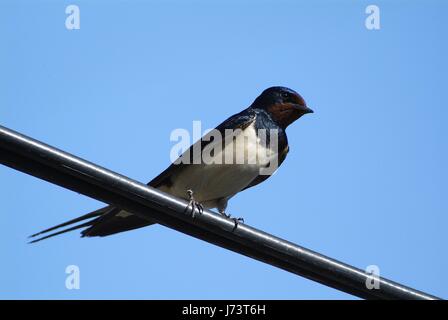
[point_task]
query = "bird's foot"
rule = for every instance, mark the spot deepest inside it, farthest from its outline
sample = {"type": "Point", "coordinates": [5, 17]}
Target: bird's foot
{"type": "Point", "coordinates": [193, 204]}
{"type": "Point", "coordinates": [237, 221]}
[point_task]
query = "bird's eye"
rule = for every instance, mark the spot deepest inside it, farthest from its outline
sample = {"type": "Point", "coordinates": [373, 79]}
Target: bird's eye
{"type": "Point", "coordinates": [285, 95]}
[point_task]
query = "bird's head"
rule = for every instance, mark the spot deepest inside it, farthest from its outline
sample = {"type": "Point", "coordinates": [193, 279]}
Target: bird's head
{"type": "Point", "coordinates": [283, 104]}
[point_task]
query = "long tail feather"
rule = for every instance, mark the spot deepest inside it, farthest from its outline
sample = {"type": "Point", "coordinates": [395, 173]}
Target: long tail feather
{"type": "Point", "coordinates": [93, 214]}
{"type": "Point", "coordinates": [82, 225]}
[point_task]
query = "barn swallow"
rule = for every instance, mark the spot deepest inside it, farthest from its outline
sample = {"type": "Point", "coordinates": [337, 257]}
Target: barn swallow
{"type": "Point", "coordinates": [212, 183]}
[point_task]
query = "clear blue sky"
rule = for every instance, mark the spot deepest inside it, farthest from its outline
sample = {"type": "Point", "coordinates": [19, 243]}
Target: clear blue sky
{"type": "Point", "coordinates": [365, 181]}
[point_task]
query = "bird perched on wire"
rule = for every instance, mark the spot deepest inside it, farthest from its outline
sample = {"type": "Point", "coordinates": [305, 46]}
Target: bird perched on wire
{"type": "Point", "coordinates": [235, 156]}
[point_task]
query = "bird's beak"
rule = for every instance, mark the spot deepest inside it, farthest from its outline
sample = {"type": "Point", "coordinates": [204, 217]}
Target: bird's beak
{"type": "Point", "coordinates": [308, 110]}
{"type": "Point", "coordinates": [303, 109]}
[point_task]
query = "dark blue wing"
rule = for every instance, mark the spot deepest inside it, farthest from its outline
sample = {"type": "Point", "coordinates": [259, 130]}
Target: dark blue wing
{"type": "Point", "coordinates": [237, 121]}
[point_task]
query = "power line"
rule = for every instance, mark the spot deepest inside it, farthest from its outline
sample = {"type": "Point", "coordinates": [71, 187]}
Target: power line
{"type": "Point", "coordinates": [48, 163]}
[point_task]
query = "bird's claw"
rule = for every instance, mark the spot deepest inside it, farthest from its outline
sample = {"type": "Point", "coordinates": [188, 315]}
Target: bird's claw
{"type": "Point", "coordinates": [194, 204]}
{"type": "Point", "coordinates": [235, 220]}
